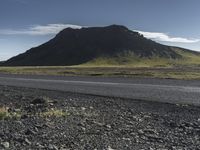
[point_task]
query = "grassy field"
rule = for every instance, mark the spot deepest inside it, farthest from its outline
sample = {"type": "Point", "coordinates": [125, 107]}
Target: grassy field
{"type": "Point", "coordinates": [170, 72]}
{"type": "Point", "coordinates": [129, 59]}
{"type": "Point", "coordinates": [127, 65]}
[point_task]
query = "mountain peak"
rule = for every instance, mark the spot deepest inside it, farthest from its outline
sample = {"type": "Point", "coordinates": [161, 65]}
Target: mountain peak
{"type": "Point", "coordinates": [77, 46]}
{"type": "Point", "coordinates": [117, 27]}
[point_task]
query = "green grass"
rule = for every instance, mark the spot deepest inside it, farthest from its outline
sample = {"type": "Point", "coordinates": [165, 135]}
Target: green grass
{"type": "Point", "coordinates": [183, 72]}
{"type": "Point", "coordinates": [129, 59]}
{"type": "Point", "coordinates": [54, 113]}
{"type": "Point", "coordinates": [5, 114]}
{"type": "Point", "coordinates": [189, 59]}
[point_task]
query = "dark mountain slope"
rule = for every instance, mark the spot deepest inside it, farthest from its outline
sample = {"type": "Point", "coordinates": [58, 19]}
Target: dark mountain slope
{"type": "Point", "coordinates": [77, 46]}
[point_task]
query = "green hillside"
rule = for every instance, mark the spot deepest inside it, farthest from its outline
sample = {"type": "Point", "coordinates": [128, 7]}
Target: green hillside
{"type": "Point", "coordinates": [129, 59]}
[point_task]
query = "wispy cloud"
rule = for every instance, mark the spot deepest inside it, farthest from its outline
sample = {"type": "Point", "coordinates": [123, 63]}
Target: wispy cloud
{"type": "Point", "coordinates": [55, 28]}
{"type": "Point", "coordinates": [166, 38]}
{"type": "Point", "coordinates": [39, 29]}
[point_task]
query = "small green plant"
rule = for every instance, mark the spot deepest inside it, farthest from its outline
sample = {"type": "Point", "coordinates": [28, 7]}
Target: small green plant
{"type": "Point", "coordinates": [54, 113]}
{"type": "Point", "coordinates": [5, 114]}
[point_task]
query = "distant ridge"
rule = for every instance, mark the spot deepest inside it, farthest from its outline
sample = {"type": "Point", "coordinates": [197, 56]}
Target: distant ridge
{"type": "Point", "coordinates": [78, 46]}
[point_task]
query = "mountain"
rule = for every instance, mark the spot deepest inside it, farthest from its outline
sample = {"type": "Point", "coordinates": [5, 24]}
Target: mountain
{"type": "Point", "coordinates": [79, 46]}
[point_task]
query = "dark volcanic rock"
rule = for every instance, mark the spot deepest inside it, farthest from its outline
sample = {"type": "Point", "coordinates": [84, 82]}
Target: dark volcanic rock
{"type": "Point", "coordinates": [39, 101]}
{"type": "Point", "coordinates": [77, 46]}
{"type": "Point", "coordinates": [95, 122]}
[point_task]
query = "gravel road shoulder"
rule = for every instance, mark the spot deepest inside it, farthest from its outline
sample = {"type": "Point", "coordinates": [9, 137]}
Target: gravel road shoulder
{"type": "Point", "coordinates": [42, 119]}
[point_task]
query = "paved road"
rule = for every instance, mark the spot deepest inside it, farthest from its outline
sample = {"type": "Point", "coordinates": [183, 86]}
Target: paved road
{"type": "Point", "coordinates": [162, 90]}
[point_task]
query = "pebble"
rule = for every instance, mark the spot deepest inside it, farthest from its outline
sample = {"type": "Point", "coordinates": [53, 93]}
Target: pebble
{"type": "Point", "coordinates": [6, 145]}
{"type": "Point", "coordinates": [39, 101]}
{"type": "Point", "coordinates": [27, 141]}
{"type": "Point", "coordinates": [109, 148]}
{"type": "Point", "coordinates": [52, 147]}
{"type": "Point", "coordinates": [83, 108]}
{"type": "Point", "coordinates": [108, 126]}
{"type": "Point", "coordinates": [29, 132]}
{"type": "Point", "coordinates": [140, 131]}
{"type": "Point", "coordinates": [39, 146]}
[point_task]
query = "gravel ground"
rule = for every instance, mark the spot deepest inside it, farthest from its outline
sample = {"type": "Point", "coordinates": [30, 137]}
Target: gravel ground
{"type": "Point", "coordinates": [42, 119]}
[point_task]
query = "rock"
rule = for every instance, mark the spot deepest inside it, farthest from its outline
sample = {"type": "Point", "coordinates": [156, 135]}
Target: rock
{"type": "Point", "coordinates": [38, 126]}
{"type": "Point", "coordinates": [39, 101]}
{"type": "Point", "coordinates": [27, 141]}
{"type": "Point", "coordinates": [83, 129]}
{"type": "Point", "coordinates": [150, 131]}
{"type": "Point", "coordinates": [81, 124]}
{"type": "Point", "coordinates": [24, 116]}
{"type": "Point", "coordinates": [36, 129]}
{"type": "Point", "coordinates": [108, 126]}
{"type": "Point", "coordinates": [153, 137]}
{"type": "Point", "coordinates": [83, 108]}
{"type": "Point", "coordinates": [29, 132]}
{"type": "Point", "coordinates": [19, 123]}
{"type": "Point", "coordinates": [40, 146]}
{"type": "Point", "coordinates": [172, 124]}
{"type": "Point", "coordinates": [140, 132]}
{"type": "Point", "coordinates": [5, 145]}
{"type": "Point", "coordinates": [126, 139]}
{"type": "Point", "coordinates": [52, 147]}
{"type": "Point", "coordinates": [51, 104]}
{"type": "Point", "coordinates": [109, 148]}
{"type": "Point", "coordinates": [98, 123]}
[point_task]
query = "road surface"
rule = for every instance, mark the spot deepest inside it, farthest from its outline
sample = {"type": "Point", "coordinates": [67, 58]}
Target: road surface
{"type": "Point", "coordinates": [161, 90]}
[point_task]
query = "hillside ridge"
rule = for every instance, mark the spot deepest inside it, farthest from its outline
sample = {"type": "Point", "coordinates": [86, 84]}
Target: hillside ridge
{"type": "Point", "coordinates": [79, 46]}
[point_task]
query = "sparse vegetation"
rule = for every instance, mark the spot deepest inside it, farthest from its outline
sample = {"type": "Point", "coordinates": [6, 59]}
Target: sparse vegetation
{"type": "Point", "coordinates": [127, 65]}
{"type": "Point", "coordinates": [129, 59]}
{"type": "Point", "coordinates": [54, 113]}
{"type": "Point", "coordinates": [5, 114]}
{"type": "Point", "coordinates": [119, 71]}
{"type": "Point", "coordinates": [93, 119]}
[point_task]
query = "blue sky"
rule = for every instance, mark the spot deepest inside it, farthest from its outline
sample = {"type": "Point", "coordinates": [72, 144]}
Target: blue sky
{"type": "Point", "coordinates": [28, 23]}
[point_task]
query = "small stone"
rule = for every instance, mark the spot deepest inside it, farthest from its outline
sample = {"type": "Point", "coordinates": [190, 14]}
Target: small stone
{"type": "Point", "coordinates": [81, 124]}
{"type": "Point", "coordinates": [150, 131]}
{"type": "Point", "coordinates": [140, 131]}
{"type": "Point", "coordinates": [29, 132]}
{"type": "Point", "coordinates": [52, 147]}
{"type": "Point", "coordinates": [126, 139]}
{"type": "Point", "coordinates": [51, 104]}
{"type": "Point", "coordinates": [6, 145]}
{"type": "Point", "coordinates": [39, 101]}
{"type": "Point", "coordinates": [108, 126]}
{"type": "Point", "coordinates": [109, 148]}
{"type": "Point", "coordinates": [39, 146]}
{"type": "Point", "coordinates": [98, 123]}
{"type": "Point", "coordinates": [27, 141]}
{"type": "Point", "coordinates": [83, 108]}
{"type": "Point", "coordinates": [83, 129]}
{"type": "Point", "coordinates": [24, 116]}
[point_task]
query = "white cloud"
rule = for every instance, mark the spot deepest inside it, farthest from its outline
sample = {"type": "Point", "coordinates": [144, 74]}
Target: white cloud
{"type": "Point", "coordinates": [55, 28]}
{"type": "Point", "coordinates": [39, 29]}
{"type": "Point", "coordinates": [166, 38]}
